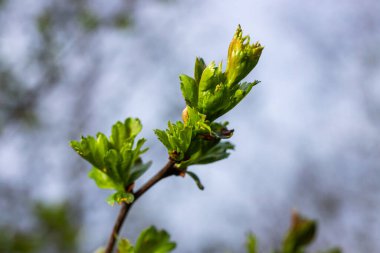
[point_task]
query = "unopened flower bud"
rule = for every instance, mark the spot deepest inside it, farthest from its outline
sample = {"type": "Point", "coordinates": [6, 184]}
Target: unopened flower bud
{"type": "Point", "coordinates": [185, 115]}
{"type": "Point", "coordinates": [242, 57]}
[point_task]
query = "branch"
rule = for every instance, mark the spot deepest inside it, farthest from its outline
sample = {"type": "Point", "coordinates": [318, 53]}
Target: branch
{"type": "Point", "coordinates": [168, 170]}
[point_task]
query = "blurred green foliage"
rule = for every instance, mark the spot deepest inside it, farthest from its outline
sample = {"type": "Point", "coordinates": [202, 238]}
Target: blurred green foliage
{"type": "Point", "coordinates": [88, 20]}
{"type": "Point", "coordinates": [20, 96]}
{"type": "Point", "coordinates": [55, 229]}
{"type": "Point", "coordinates": [297, 239]}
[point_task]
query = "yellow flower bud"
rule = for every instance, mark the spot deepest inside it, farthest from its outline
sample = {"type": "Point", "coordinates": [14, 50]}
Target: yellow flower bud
{"type": "Point", "coordinates": [242, 57]}
{"type": "Point", "coordinates": [185, 115]}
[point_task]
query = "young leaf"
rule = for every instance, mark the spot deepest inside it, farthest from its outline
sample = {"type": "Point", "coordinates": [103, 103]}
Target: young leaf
{"type": "Point", "coordinates": [102, 180]}
{"type": "Point", "coordinates": [126, 164]}
{"type": "Point", "coordinates": [137, 150]}
{"type": "Point", "coordinates": [124, 133]}
{"type": "Point", "coordinates": [119, 135]}
{"type": "Point", "coordinates": [100, 149]}
{"type": "Point", "coordinates": [177, 139]}
{"type": "Point", "coordinates": [209, 155]}
{"type": "Point", "coordinates": [91, 149]}
{"type": "Point", "coordinates": [133, 127]}
{"type": "Point", "coordinates": [189, 90]}
{"type": "Point", "coordinates": [240, 93]}
{"type": "Point", "coordinates": [196, 180]}
{"type": "Point", "coordinates": [124, 246]}
{"type": "Point", "coordinates": [152, 240]}
{"type": "Point", "coordinates": [112, 162]}
{"type": "Point", "coordinates": [164, 138]}
{"type": "Point", "coordinates": [220, 130]}
{"type": "Point", "coordinates": [199, 67]}
{"type": "Point", "coordinates": [120, 197]}
{"type": "Point", "coordinates": [138, 170]}
{"type": "Point", "coordinates": [198, 121]}
{"type": "Point", "coordinates": [208, 79]}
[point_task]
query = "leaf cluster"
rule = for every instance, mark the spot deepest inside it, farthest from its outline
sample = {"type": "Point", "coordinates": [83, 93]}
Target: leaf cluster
{"type": "Point", "coordinates": [116, 160]}
{"type": "Point", "coordinates": [211, 93]}
{"type": "Point", "coordinates": [195, 141]}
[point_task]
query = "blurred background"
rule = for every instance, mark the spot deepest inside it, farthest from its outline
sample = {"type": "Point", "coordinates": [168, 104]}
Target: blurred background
{"type": "Point", "coordinates": [307, 137]}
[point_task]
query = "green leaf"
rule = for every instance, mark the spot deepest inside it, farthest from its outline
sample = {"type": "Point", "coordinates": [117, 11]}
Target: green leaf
{"type": "Point", "coordinates": [221, 131]}
{"type": "Point", "coordinates": [185, 135]}
{"type": "Point", "coordinates": [77, 146]}
{"type": "Point", "coordinates": [112, 162]}
{"type": "Point", "coordinates": [189, 90]}
{"type": "Point", "coordinates": [199, 67]}
{"type": "Point", "coordinates": [207, 80]}
{"type": "Point", "coordinates": [100, 149]}
{"type": "Point", "coordinates": [138, 170]}
{"type": "Point", "coordinates": [119, 135]}
{"type": "Point", "coordinates": [215, 153]}
{"type": "Point", "coordinates": [91, 149]}
{"type": "Point", "coordinates": [164, 138]}
{"type": "Point", "coordinates": [86, 149]}
{"type": "Point", "coordinates": [124, 133]}
{"type": "Point", "coordinates": [251, 244]}
{"type": "Point", "coordinates": [196, 179]}
{"type": "Point", "coordinates": [124, 246]}
{"type": "Point", "coordinates": [152, 240]}
{"type": "Point", "coordinates": [198, 121]}
{"type": "Point", "coordinates": [213, 103]}
{"type": "Point", "coordinates": [137, 150]}
{"type": "Point", "coordinates": [177, 139]}
{"type": "Point", "coordinates": [101, 179]}
{"type": "Point", "coordinates": [133, 127]}
{"type": "Point", "coordinates": [120, 197]}
{"type": "Point", "coordinates": [126, 164]}
{"type": "Point", "coordinates": [240, 93]}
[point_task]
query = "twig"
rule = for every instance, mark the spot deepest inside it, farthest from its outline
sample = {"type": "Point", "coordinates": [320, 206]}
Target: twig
{"type": "Point", "coordinates": [168, 170]}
